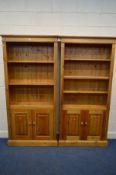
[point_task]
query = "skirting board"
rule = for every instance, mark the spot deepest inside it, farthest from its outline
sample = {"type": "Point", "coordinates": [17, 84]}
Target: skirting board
{"type": "Point", "coordinates": [111, 135]}
{"type": "Point", "coordinates": [3, 134]}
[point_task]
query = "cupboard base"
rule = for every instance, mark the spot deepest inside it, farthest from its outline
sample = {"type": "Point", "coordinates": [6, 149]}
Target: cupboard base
{"type": "Point", "coordinates": [54, 143]}
{"type": "Point", "coordinates": [83, 143]}
{"type": "Point", "coordinates": [32, 143]}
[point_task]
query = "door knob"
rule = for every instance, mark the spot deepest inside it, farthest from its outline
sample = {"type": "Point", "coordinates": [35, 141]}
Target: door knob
{"type": "Point", "coordinates": [82, 123]}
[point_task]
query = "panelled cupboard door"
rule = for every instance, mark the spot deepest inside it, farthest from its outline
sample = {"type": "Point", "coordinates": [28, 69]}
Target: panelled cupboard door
{"type": "Point", "coordinates": [72, 122]}
{"type": "Point", "coordinates": [96, 125]}
{"type": "Point", "coordinates": [42, 124]}
{"type": "Point", "coordinates": [21, 124]}
{"type": "Point", "coordinates": [84, 125]}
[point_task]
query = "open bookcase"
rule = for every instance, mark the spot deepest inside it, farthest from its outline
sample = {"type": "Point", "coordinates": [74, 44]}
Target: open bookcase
{"type": "Point", "coordinates": [30, 71]}
{"type": "Point", "coordinates": [31, 65]}
{"type": "Point", "coordinates": [86, 75]}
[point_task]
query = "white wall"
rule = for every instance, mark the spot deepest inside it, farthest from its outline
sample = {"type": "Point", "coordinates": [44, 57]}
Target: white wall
{"type": "Point", "coordinates": [57, 17]}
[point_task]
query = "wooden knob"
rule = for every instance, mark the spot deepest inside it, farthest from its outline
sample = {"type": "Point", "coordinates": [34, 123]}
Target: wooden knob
{"type": "Point", "coordinates": [82, 123]}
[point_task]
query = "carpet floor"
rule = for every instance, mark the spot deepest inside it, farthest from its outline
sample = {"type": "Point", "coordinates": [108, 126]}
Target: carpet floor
{"type": "Point", "coordinates": [57, 160]}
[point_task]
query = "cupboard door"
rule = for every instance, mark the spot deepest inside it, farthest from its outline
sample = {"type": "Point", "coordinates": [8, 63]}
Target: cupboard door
{"type": "Point", "coordinates": [95, 125]}
{"type": "Point", "coordinates": [43, 125]}
{"type": "Point", "coordinates": [72, 119]}
{"type": "Point", "coordinates": [21, 124]}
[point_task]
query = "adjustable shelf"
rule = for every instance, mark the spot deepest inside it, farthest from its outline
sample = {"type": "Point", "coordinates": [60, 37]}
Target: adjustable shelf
{"type": "Point", "coordinates": [84, 92]}
{"type": "Point", "coordinates": [94, 60]}
{"type": "Point", "coordinates": [32, 61]}
{"type": "Point", "coordinates": [32, 82]}
{"type": "Point", "coordinates": [87, 77]}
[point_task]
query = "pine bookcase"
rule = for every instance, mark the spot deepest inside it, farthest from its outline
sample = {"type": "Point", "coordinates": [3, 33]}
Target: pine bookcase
{"type": "Point", "coordinates": [86, 78]}
{"type": "Point", "coordinates": [30, 76]}
{"type": "Point", "coordinates": [34, 94]}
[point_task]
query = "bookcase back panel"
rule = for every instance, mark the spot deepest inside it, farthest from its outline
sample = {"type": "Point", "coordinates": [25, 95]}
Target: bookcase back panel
{"type": "Point", "coordinates": [87, 51]}
{"type": "Point", "coordinates": [85, 99]}
{"type": "Point", "coordinates": [30, 51]}
{"type": "Point", "coordinates": [86, 68]}
{"type": "Point", "coordinates": [30, 95]}
{"type": "Point", "coordinates": [28, 72]}
{"type": "Point", "coordinates": [86, 85]}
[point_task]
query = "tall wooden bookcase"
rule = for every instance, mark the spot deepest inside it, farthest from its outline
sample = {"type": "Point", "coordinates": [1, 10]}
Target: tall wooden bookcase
{"type": "Point", "coordinates": [86, 78]}
{"type": "Point", "coordinates": [31, 72]}
{"type": "Point", "coordinates": [30, 65]}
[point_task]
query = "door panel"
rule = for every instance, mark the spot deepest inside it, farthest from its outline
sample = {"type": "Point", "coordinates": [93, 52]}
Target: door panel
{"type": "Point", "coordinates": [21, 124]}
{"type": "Point", "coordinates": [95, 125]}
{"type": "Point", "coordinates": [72, 125]}
{"type": "Point", "coordinates": [42, 122]}
{"type": "Point", "coordinates": [43, 125]}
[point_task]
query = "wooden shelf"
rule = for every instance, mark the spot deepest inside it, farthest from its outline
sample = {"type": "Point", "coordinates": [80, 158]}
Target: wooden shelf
{"type": "Point", "coordinates": [84, 92]}
{"type": "Point", "coordinates": [100, 60]}
{"type": "Point", "coordinates": [31, 82]}
{"type": "Point", "coordinates": [87, 77]}
{"type": "Point", "coordinates": [32, 105]}
{"type": "Point", "coordinates": [83, 107]}
{"type": "Point", "coordinates": [31, 61]}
